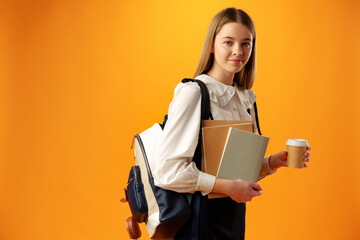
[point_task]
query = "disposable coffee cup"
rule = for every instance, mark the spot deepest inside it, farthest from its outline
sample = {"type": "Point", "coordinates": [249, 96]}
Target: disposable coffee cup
{"type": "Point", "coordinates": [296, 149]}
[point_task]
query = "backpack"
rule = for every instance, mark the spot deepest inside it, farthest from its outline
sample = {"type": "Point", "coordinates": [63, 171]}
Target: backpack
{"type": "Point", "coordinates": [163, 211]}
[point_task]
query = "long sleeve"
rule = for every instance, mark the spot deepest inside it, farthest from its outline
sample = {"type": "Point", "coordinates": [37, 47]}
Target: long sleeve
{"type": "Point", "coordinates": [174, 169]}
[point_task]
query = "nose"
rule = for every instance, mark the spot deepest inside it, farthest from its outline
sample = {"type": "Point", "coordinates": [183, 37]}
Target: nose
{"type": "Point", "coordinates": [237, 51]}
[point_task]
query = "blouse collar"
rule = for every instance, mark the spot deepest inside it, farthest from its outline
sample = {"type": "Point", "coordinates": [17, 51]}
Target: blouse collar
{"type": "Point", "coordinates": [221, 93]}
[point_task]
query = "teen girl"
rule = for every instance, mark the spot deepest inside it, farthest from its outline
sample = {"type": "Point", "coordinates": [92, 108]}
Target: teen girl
{"type": "Point", "coordinates": [227, 67]}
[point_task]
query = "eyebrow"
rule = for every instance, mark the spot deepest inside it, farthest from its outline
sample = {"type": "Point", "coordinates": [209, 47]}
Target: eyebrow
{"type": "Point", "coordinates": [246, 39]}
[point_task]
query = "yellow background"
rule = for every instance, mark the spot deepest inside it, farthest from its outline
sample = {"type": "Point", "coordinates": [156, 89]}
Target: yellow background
{"type": "Point", "coordinates": [80, 78]}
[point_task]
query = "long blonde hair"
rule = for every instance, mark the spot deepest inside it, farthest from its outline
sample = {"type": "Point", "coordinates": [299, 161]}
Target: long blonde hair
{"type": "Point", "coordinates": [244, 78]}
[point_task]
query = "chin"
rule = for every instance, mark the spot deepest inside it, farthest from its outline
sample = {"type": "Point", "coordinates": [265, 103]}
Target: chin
{"type": "Point", "coordinates": [236, 70]}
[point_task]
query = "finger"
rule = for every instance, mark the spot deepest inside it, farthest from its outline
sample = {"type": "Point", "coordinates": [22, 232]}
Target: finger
{"type": "Point", "coordinates": [307, 154]}
{"type": "Point", "coordinates": [306, 159]}
{"type": "Point", "coordinates": [256, 186]}
{"type": "Point", "coordinates": [308, 148]}
{"type": "Point", "coordinates": [255, 194]}
{"type": "Point", "coordinates": [284, 163]}
{"type": "Point", "coordinates": [305, 165]}
{"type": "Point", "coordinates": [284, 155]}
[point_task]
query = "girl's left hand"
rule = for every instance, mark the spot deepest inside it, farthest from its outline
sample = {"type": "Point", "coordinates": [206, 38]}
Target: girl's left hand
{"type": "Point", "coordinates": [280, 159]}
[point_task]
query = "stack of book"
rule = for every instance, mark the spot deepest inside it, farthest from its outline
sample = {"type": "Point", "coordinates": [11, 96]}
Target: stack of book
{"type": "Point", "coordinates": [231, 150]}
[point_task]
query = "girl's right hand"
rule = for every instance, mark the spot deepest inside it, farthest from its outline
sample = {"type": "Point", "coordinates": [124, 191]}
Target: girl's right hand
{"type": "Point", "coordinates": [239, 190]}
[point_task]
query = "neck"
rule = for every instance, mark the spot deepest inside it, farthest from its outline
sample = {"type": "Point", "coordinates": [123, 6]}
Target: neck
{"type": "Point", "coordinates": [225, 78]}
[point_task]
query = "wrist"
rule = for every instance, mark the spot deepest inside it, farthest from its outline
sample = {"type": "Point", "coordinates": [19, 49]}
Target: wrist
{"type": "Point", "coordinates": [271, 163]}
{"type": "Point", "coordinates": [222, 186]}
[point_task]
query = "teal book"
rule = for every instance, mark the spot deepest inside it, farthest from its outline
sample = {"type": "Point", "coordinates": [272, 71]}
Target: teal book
{"type": "Point", "coordinates": [242, 156]}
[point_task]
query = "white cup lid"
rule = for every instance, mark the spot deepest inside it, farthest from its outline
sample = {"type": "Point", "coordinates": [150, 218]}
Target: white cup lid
{"type": "Point", "coordinates": [297, 142]}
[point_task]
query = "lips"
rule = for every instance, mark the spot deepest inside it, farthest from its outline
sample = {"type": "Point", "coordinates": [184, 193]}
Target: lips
{"type": "Point", "coordinates": [236, 61]}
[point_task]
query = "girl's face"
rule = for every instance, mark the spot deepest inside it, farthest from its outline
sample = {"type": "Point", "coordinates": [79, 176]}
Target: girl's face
{"type": "Point", "coordinates": [232, 49]}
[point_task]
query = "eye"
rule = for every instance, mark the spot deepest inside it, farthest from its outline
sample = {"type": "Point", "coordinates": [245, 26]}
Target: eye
{"type": "Point", "coordinates": [246, 44]}
{"type": "Point", "coordinates": [229, 43]}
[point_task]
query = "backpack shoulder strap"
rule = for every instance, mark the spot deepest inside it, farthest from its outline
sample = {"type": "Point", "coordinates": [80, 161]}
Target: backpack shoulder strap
{"type": "Point", "coordinates": [205, 99]}
{"type": "Point", "coordinates": [205, 102]}
{"type": "Point", "coordinates": [256, 118]}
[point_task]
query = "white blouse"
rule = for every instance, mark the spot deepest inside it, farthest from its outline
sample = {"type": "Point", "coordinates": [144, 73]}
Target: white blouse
{"type": "Point", "coordinates": [173, 167]}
